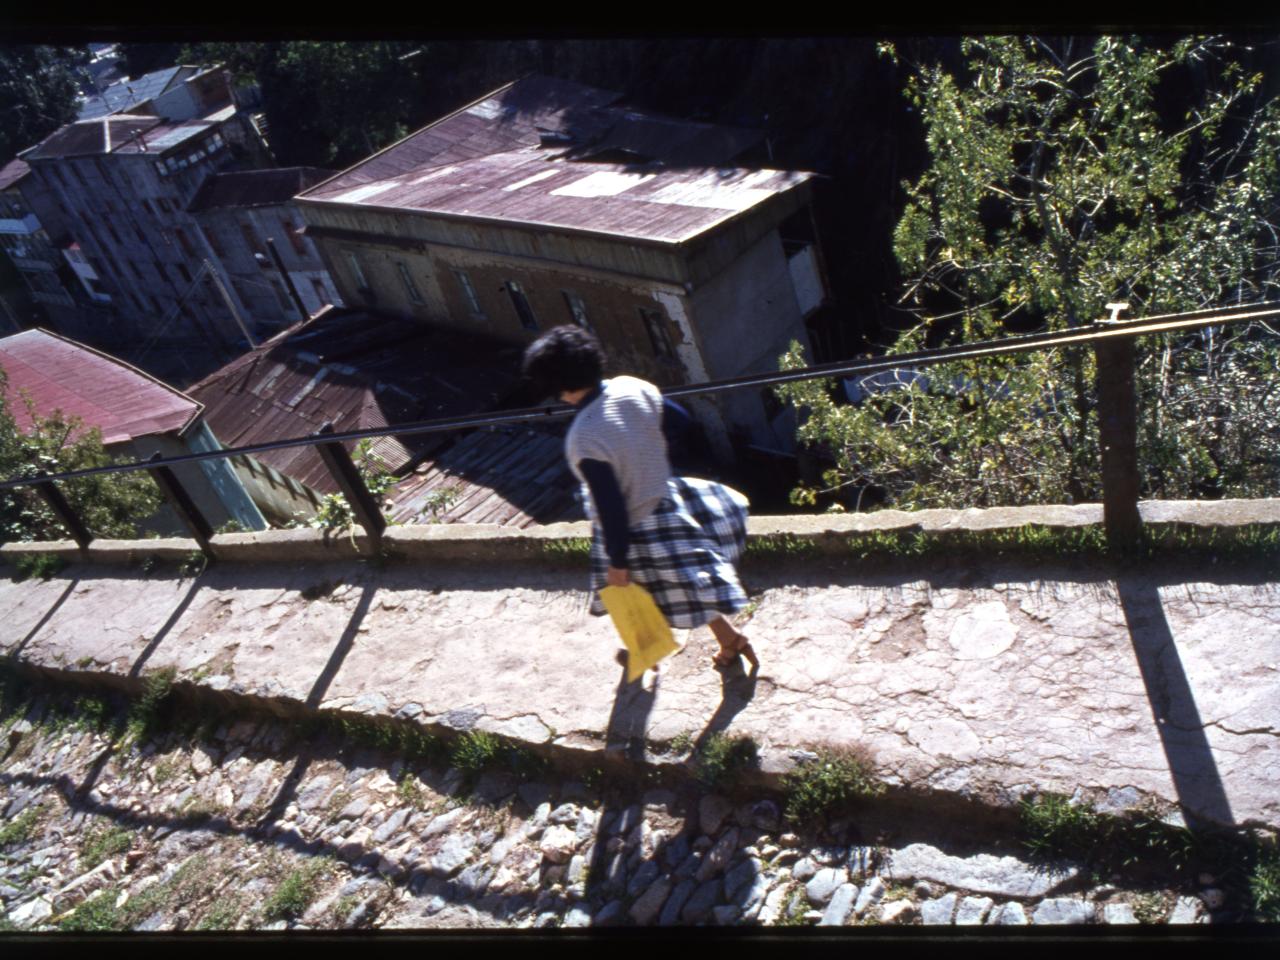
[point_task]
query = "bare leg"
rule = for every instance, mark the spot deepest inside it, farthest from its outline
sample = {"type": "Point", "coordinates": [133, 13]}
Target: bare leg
{"type": "Point", "coordinates": [732, 644]}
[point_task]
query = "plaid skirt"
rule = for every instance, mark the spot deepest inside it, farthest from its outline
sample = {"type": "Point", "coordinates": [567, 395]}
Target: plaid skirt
{"type": "Point", "coordinates": [684, 553]}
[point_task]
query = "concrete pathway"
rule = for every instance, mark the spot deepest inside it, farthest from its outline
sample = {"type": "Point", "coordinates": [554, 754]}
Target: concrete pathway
{"type": "Point", "coordinates": [986, 683]}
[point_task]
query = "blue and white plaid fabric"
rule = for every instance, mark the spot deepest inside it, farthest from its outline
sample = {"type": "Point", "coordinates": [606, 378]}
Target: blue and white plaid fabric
{"type": "Point", "coordinates": [685, 553]}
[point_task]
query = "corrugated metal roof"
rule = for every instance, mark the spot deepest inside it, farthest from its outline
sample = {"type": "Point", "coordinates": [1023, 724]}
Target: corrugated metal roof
{"type": "Point", "coordinates": [166, 137]}
{"type": "Point", "coordinates": [356, 370]}
{"type": "Point", "coordinates": [12, 172]}
{"type": "Point", "coordinates": [255, 188]}
{"type": "Point", "coordinates": [510, 117]}
{"type": "Point", "coordinates": [525, 186]}
{"type": "Point", "coordinates": [506, 475]}
{"type": "Point", "coordinates": [89, 137]}
{"type": "Point", "coordinates": [672, 141]}
{"type": "Point", "coordinates": [124, 94]}
{"type": "Point", "coordinates": [60, 374]}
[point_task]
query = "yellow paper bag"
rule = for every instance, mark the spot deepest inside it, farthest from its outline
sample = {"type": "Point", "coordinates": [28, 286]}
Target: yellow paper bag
{"type": "Point", "coordinates": [641, 626]}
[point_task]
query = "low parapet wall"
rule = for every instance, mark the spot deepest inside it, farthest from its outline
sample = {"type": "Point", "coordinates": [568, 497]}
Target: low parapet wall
{"type": "Point", "coordinates": [490, 542]}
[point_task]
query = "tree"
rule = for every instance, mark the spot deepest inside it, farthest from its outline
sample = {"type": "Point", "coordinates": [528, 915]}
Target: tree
{"type": "Point", "coordinates": [327, 104]}
{"type": "Point", "coordinates": [1064, 176]}
{"type": "Point", "coordinates": [38, 93]}
{"type": "Point", "coordinates": [110, 505]}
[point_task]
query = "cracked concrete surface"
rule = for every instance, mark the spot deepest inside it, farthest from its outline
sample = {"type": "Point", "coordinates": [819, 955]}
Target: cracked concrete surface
{"type": "Point", "coordinates": [986, 683]}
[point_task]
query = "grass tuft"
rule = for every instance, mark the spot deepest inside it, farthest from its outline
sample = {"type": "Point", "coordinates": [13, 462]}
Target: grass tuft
{"type": "Point", "coordinates": [829, 784]}
{"type": "Point", "coordinates": [103, 844]}
{"type": "Point", "coordinates": [21, 828]}
{"type": "Point", "coordinates": [722, 760]}
{"type": "Point", "coordinates": [42, 565]}
{"type": "Point", "coordinates": [295, 893]}
{"type": "Point", "coordinates": [1264, 885]}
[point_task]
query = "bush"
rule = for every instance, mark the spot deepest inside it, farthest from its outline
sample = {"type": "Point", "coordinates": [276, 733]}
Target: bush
{"type": "Point", "coordinates": [837, 778]}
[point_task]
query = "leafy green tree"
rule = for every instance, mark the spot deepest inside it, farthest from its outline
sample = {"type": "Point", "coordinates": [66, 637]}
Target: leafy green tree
{"type": "Point", "coordinates": [110, 506]}
{"type": "Point", "coordinates": [1065, 175]}
{"type": "Point", "coordinates": [37, 95]}
{"type": "Point", "coordinates": [326, 103]}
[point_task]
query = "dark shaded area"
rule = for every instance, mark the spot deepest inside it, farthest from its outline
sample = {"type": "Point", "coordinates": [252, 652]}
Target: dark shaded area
{"type": "Point", "coordinates": [1201, 794]}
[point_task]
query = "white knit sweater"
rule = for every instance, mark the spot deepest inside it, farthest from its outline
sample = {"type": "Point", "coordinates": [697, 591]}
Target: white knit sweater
{"type": "Point", "coordinates": [623, 428]}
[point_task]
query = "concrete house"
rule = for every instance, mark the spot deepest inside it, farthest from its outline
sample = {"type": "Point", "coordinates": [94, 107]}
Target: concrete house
{"type": "Point", "coordinates": [242, 215]}
{"type": "Point", "coordinates": [121, 185]}
{"type": "Point", "coordinates": [545, 203]}
{"type": "Point", "coordinates": [30, 244]}
{"type": "Point", "coordinates": [137, 414]}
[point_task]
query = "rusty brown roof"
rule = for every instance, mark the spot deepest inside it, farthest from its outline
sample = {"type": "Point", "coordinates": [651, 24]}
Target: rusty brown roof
{"type": "Point", "coordinates": [509, 117]}
{"type": "Point", "coordinates": [526, 186]}
{"type": "Point", "coordinates": [255, 188]}
{"type": "Point", "coordinates": [62, 375]}
{"type": "Point", "coordinates": [90, 137]}
{"type": "Point", "coordinates": [506, 475]}
{"type": "Point", "coordinates": [357, 370]}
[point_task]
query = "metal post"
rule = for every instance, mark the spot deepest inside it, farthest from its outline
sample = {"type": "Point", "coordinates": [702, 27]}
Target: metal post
{"type": "Point", "coordinates": [344, 471]}
{"type": "Point", "coordinates": [1118, 433]}
{"type": "Point", "coordinates": [288, 280]}
{"type": "Point", "coordinates": [188, 513]}
{"type": "Point", "coordinates": [65, 513]}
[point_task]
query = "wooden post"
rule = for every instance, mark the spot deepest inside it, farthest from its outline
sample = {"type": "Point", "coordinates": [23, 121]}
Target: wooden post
{"type": "Point", "coordinates": [343, 468]}
{"type": "Point", "coordinates": [1118, 433]}
{"type": "Point", "coordinates": [65, 513]}
{"type": "Point", "coordinates": [183, 506]}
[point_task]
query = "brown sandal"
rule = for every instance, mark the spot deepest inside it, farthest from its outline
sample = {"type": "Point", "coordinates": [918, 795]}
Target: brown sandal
{"type": "Point", "coordinates": [726, 658]}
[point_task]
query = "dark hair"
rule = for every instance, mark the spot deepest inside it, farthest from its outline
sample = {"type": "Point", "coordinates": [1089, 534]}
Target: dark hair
{"type": "Point", "coordinates": [564, 358]}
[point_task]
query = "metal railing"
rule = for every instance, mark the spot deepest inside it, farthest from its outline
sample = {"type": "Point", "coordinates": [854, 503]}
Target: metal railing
{"type": "Point", "coordinates": [1112, 341]}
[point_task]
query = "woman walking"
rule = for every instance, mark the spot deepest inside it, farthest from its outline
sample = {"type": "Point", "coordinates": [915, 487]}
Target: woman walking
{"type": "Point", "coordinates": [678, 537]}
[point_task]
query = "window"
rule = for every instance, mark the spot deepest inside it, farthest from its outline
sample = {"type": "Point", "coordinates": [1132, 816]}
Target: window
{"type": "Point", "coordinates": [112, 230]}
{"type": "Point", "coordinates": [214, 243]}
{"type": "Point", "coordinates": [136, 272]}
{"type": "Point", "coordinates": [250, 238]}
{"type": "Point", "coordinates": [356, 273]}
{"type": "Point", "coordinates": [469, 291]}
{"type": "Point", "coordinates": [655, 325]}
{"type": "Point", "coordinates": [321, 293]}
{"type": "Point", "coordinates": [292, 232]}
{"type": "Point", "coordinates": [183, 272]}
{"type": "Point", "coordinates": [577, 309]}
{"type": "Point", "coordinates": [523, 309]}
{"type": "Point", "coordinates": [165, 205]}
{"type": "Point", "coordinates": [184, 242]}
{"type": "Point", "coordinates": [409, 285]}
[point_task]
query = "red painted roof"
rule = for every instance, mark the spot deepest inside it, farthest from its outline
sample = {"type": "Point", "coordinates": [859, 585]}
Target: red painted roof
{"type": "Point", "coordinates": [60, 374]}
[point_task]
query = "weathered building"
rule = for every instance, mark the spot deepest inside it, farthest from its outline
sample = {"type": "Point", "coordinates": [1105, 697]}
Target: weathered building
{"type": "Point", "coordinates": [516, 214]}
{"type": "Point", "coordinates": [29, 242]}
{"type": "Point", "coordinates": [243, 215]}
{"type": "Point", "coordinates": [138, 416]}
{"type": "Point", "coordinates": [121, 184]}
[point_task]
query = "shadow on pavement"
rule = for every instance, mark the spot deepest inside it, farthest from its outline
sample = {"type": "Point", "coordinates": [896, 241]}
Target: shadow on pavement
{"type": "Point", "coordinates": [1186, 747]}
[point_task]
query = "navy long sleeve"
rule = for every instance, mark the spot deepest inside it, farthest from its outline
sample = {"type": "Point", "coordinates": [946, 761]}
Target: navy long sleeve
{"type": "Point", "coordinates": [611, 509]}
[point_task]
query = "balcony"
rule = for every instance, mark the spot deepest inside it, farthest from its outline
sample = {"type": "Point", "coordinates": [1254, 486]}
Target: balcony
{"type": "Point", "coordinates": [24, 226]}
